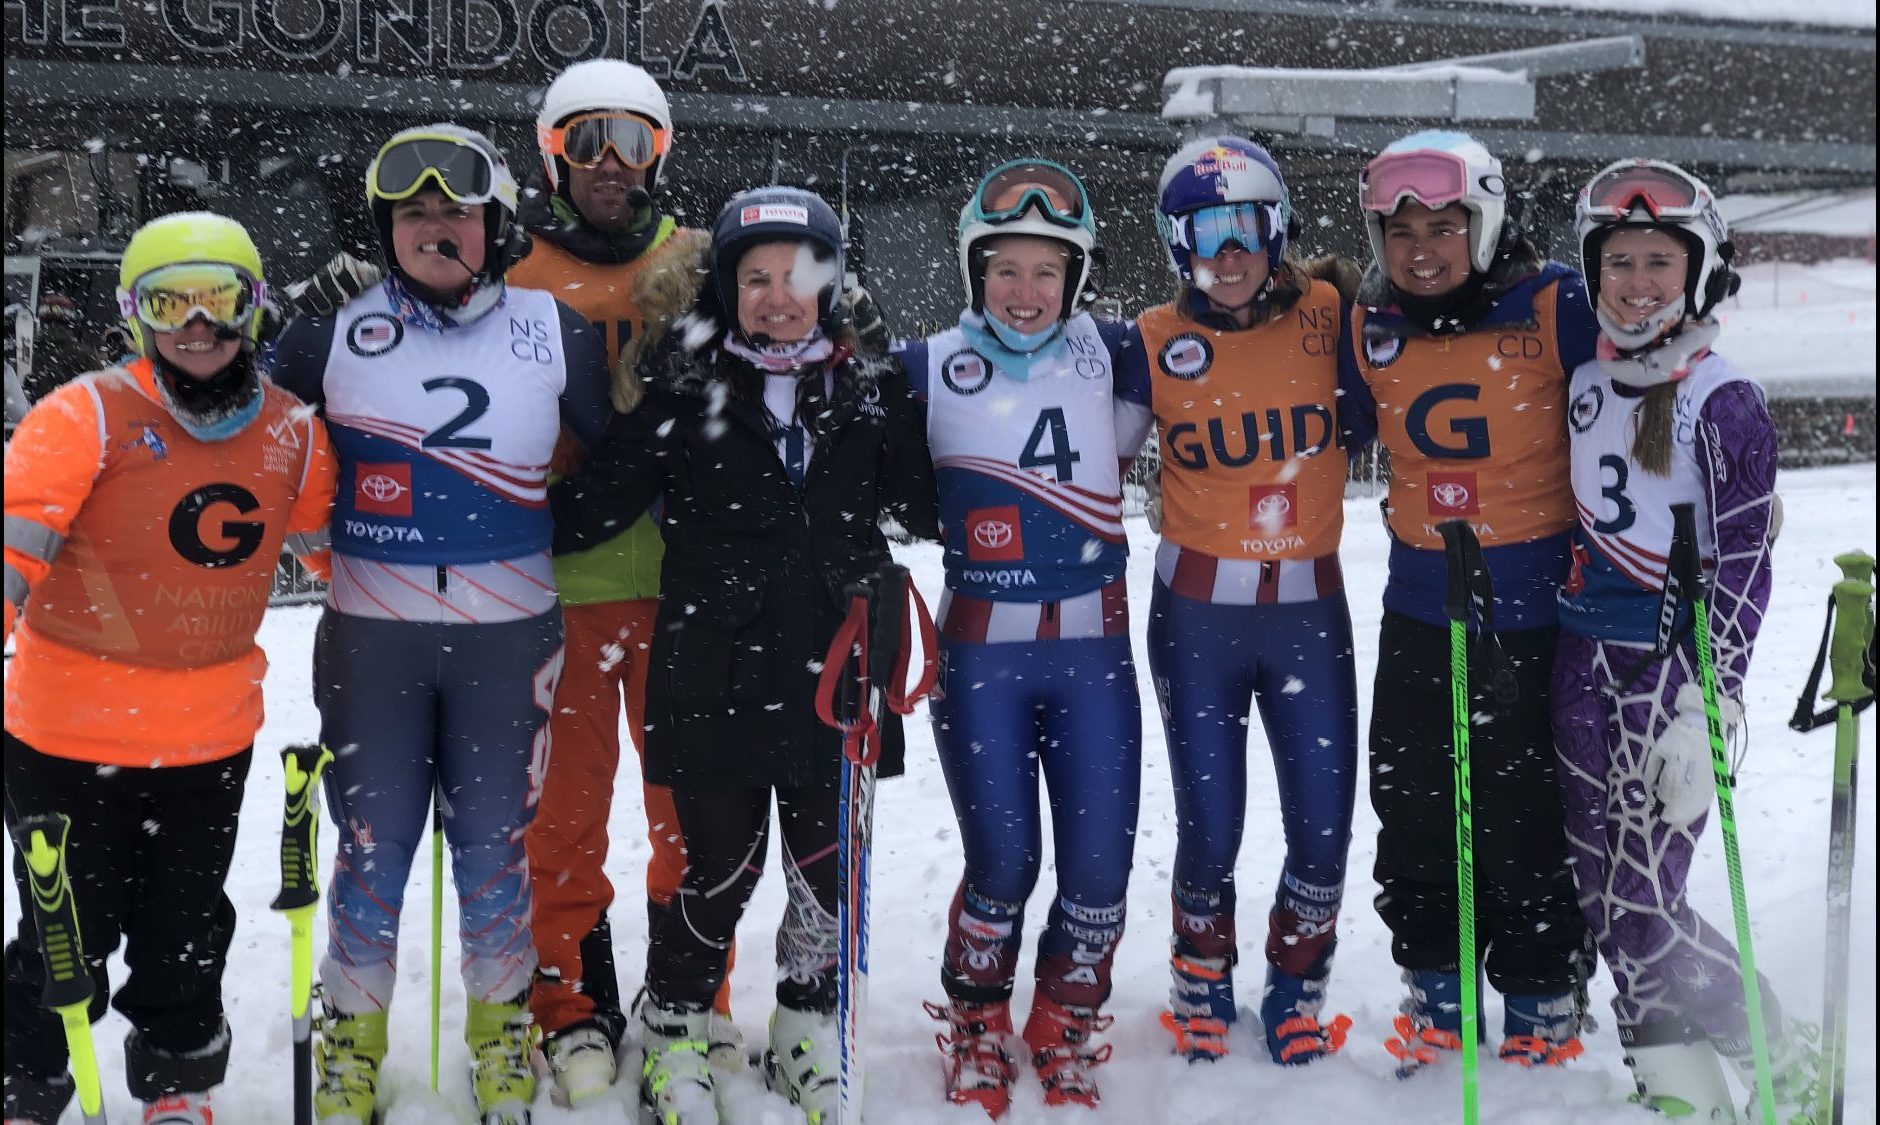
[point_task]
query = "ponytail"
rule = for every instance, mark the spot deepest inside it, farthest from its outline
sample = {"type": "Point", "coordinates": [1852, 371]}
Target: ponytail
{"type": "Point", "coordinates": [1651, 429]}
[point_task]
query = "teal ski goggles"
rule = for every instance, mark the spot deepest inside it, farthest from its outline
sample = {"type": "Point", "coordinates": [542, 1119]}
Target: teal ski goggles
{"type": "Point", "coordinates": [1051, 190]}
{"type": "Point", "coordinates": [1209, 230]}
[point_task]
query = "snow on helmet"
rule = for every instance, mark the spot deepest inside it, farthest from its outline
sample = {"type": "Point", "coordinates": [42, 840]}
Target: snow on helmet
{"type": "Point", "coordinates": [463, 164]}
{"type": "Point", "coordinates": [1035, 197]}
{"type": "Point", "coordinates": [777, 214]}
{"type": "Point", "coordinates": [1436, 168]}
{"type": "Point", "coordinates": [1652, 193]}
{"type": "Point", "coordinates": [1214, 171]}
{"type": "Point", "coordinates": [193, 238]}
{"type": "Point", "coordinates": [599, 85]}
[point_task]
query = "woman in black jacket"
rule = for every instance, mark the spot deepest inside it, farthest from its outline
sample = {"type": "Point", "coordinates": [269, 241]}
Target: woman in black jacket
{"type": "Point", "coordinates": [774, 451]}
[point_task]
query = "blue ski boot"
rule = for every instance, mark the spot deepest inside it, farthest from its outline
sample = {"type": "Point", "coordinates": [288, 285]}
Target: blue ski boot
{"type": "Point", "coordinates": [1541, 1030]}
{"type": "Point", "coordinates": [1289, 1011]}
{"type": "Point", "coordinates": [1431, 1023]}
{"type": "Point", "coordinates": [1201, 1006]}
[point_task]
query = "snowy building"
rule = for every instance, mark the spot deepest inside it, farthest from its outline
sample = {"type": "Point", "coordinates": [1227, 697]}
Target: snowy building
{"type": "Point", "coordinates": [268, 109]}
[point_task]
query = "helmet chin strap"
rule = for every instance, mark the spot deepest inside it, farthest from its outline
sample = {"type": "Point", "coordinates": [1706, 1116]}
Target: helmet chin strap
{"type": "Point", "coordinates": [1655, 330]}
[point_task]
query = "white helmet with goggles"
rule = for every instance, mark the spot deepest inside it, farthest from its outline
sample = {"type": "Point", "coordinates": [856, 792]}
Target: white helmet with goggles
{"type": "Point", "coordinates": [1652, 193]}
{"type": "Point", "coordinates": [599, 106]}
{"type": "Point", "coordinates": [1437, 168]}
{"type": "Point", "coordinates": [1030, 197]}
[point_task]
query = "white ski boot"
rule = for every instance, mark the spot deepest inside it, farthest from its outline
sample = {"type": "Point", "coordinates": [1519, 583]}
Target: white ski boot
{"type": "Point", "coordinates": [676, 1083]}
{"type": "Point", "coordinates": [1677, 1073]}
{"type": "Point", "coordinates": [582, 1062]}
{"type": "Point", "coordinates": [804, 1061]}
{"type": "Point", "coordinates": [726, 1051]}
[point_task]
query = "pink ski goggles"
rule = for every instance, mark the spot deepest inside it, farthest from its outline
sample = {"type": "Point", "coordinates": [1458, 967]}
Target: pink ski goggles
{"type": "Point", "coordinates": [1666, 193]}
{"type": "Point", "coordinates": [1432, 178]}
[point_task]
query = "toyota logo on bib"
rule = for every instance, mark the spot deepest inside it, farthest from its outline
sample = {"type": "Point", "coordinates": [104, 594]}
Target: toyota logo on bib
{"type": "Point", "coordinates": [383, 489]}
{"type": "Point", "coordinates": [993, 535]}
{"type": "Point", "coordinates": [1453, 494]}
{"type": "Point", "coordinates": [1273, 508]}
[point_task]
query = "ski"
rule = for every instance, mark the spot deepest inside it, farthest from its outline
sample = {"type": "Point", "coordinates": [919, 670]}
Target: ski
{"type": "Point", "coordinates": [862, 680]}
{"type": "Point", "coordinates": [301, 769]}
{"type": "Point", "coordinates": [40, 841]}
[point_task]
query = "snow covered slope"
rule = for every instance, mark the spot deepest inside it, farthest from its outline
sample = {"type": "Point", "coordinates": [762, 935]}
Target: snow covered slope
{"type": "Point", "coordinates": [1783, 810]}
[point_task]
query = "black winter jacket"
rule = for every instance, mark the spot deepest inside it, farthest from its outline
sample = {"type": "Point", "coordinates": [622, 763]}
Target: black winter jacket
{"type": "Point", "coordinates": [752, 587]}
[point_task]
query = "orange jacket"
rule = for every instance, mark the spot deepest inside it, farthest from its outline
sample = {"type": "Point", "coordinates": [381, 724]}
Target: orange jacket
{"type": "Point", "coordinates": [138, 566]}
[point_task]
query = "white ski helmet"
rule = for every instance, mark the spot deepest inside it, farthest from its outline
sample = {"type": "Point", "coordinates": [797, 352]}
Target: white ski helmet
{"type": "Point", "coordinates": [1437, 167]}
{"type": "Point", "coordinates": [1652, 193]}
{"type": "Point", "coordinates": [1034, 197]}
{"type": "Point", "coordinates": [601, 84]}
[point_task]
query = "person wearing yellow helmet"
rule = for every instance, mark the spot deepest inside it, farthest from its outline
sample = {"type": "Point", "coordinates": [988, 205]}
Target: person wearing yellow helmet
{"type": "Point", "coordinates": [146, 507]}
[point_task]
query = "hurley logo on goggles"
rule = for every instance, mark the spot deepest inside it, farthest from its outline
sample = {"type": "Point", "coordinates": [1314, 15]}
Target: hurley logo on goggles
{"type": "Point", "coordinates": [1208, 230]}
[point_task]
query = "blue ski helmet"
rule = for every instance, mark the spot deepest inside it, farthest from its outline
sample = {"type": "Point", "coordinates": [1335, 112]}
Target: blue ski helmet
{"type": "Point", "coordinates": [1214, 171]}
{"type": "Point", "coordinates": [775, 214]}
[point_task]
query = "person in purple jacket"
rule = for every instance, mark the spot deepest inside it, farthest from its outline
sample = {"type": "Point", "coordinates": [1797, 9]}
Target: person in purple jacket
{"type": "Point", "coordinates": [1659, 419]}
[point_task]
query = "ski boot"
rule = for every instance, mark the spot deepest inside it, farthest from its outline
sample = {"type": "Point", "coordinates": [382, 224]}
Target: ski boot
{"type": "Point", "coordinates": [1289, 1011]}
{"type": "Point", "coordinates": [1201, 1006]}
{"type": "Point", "coordinates": [1677, 1072]}
{"type": "Point", "coordinates": [676, 1084]}
{"type": "Point", "coordinates": [1059, 1038]}
{"type": "Point", "coordinates": [1794, 1070]}
{"type": "Point", "coordinates": [173, 1086]}
{"type": "Point", "coordinates": [726, 1043]}
{"type": "Point", "coordinates": [347, 1052]}
{"type": "Point", "coordinates": [979, 1069]}
{"type": "Point", "coordinates": [32, 1100]}
{"type": "Point", "coordinates": [583, 1061]}
{"type": "Point", "coordinates": [804, 1062]}
{"type": "Point", "coordinates": [1540, 1030]}
{"type": "Point", "coordinates": [1431, 1020]}
{"type": "Point", "coordinates": [179, 1109]}
{"type": "Point", "coordinates": [502, 1037]}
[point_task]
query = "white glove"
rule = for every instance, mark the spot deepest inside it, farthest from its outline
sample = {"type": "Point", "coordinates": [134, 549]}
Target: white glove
{"type": "Point", "coordinates": [1678, 770]}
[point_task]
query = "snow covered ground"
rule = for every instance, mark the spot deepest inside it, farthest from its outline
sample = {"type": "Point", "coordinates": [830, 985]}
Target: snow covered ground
{"type": "Point", "coordinates": [1782, 806]}
{"type": "Point", "coordinates": [1803, 328]}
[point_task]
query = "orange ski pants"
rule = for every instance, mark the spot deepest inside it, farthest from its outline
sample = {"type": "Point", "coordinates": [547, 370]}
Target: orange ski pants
{"type": "Point", "coordinates": [609, 646]}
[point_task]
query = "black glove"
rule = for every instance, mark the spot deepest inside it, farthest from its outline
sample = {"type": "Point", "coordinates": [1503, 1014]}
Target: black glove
{"type": "Point", "coordinates": [332, 285]}
{"type": "Point", "coordinates": [865, 315]}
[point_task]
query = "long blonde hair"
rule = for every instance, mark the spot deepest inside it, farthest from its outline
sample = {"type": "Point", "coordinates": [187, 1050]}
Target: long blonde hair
{"type": "Point", "coordinates": [1651, 429]}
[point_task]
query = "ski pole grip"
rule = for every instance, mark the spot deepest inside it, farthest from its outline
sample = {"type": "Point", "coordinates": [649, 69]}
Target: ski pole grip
{"type": "Point", "coordinates": [301, 769]}
{"type": "Point", "coordinates": [1847, 648]}
{"type": "Point", "coordinates": [1857, 565]}
{"type": "Point", "coordinates": [40, 840]}
{"type": "Point", "coordinates": [1457, 536]}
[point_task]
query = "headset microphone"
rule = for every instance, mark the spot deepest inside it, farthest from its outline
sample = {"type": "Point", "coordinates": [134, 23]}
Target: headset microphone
{"type": "Point", "coordinates": [448, 249]}
{"type": "Point", "coordinates": [639, 199]}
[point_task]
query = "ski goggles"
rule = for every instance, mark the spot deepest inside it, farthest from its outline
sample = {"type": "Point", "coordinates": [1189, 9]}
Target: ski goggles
{"type": "Point", "coordinates": [1209, 230]}
{"type": "Point", "coordinates": [168, 298]}
{"type": "Point", "coordinates": [402, 168]}
{"type": "Point", "coordinates": [1666, 193]}
{"type": "Point", "coordinates": [1431, 177]}
{"type": "Point", "coordinates": [1031, 185]}
{"type": "Point", "coordinates": [584, 140]}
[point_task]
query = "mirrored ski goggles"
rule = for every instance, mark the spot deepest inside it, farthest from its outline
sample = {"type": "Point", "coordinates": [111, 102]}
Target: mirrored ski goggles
{"type": "Point", "coordinates": [168, 298]}
{"type": "Point", "coordinates": [1209, 230]}
{"type": "Point", "coordinates": [1434, 179]}
{"type": "Point", "coordinates": [584, 140]}
{"type": "Point", "coordinates": [460, 171]}
{"type": "Point", "coordinates": [1025, 185]}
{"type": "Point", "coordinates": [1665, 193]}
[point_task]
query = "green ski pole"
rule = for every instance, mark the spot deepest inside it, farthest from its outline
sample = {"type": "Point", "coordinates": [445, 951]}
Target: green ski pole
{"type": "Point", "coordinates": [1458, 539]}
{"type": "Point", "coordinates": [437, 925]}
{"type": "Point", "coordinates": [41, 842]}
{"type": "Point", "coordinates": [301, 767]}
{"type": "Point", "coordinates": [1684, 562]}
{"type": "Point", "coordinates": [1850, 654]}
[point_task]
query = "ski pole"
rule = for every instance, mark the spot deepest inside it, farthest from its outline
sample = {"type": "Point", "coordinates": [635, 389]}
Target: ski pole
{"type": "Point", "coordinates": [1458, 539]}
{"type": "Point", "coordinates": [1684, 560]}
{"type": "Point", "coordinates": [1850, 656]}
{"type": "Point", "coordinates": [301, 767]}
{"type": "Point", "coordinates": [41, 842]}
{"type": "Point", "coordinates": [437, 925]}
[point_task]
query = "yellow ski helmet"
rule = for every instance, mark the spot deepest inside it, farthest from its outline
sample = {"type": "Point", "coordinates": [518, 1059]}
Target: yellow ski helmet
{"type": "Point", "coordinates": [192, 238]}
